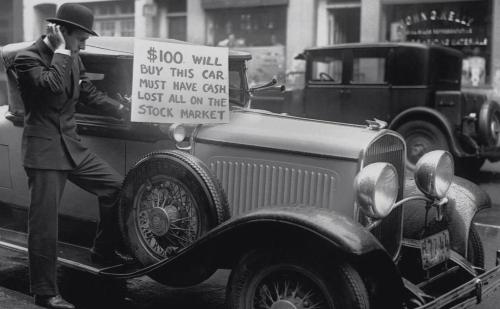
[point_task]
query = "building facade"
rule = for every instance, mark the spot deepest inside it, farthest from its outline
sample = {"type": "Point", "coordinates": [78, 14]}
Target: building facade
{"type": "Point", "coordinates": [274, 31]}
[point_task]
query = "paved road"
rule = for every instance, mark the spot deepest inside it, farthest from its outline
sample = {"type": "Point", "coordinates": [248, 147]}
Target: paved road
{"type": "Point", "coordinates": [89, 292]}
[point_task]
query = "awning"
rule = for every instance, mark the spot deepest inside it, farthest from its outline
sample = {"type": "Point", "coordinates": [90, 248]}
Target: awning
{"type": "Point", "coordinates": [225, 4]}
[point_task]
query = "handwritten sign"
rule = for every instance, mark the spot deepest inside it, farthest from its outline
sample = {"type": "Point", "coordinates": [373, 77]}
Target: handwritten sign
{"type": "Point", "coordinates": [179, 83]}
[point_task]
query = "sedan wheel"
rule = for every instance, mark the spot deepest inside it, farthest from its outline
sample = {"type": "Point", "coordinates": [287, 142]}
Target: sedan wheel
{"type": "Point", "coordinates": [270, 280]}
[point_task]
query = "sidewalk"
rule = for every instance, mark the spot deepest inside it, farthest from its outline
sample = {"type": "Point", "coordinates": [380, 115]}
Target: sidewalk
{"type": "Point", "coordinates": [14, 300]}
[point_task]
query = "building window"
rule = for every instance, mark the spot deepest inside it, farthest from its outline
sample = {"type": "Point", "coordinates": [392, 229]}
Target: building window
{"type": "Point", "coordinates": [177, 20]}
{"type": "Point", "coordinates": [462, 25]}
{"type": "Point", "coordinates": [113, 18]}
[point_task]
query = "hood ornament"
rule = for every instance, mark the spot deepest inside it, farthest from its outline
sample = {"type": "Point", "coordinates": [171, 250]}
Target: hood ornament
{"type": "Point", "coordinates": [376, 124]}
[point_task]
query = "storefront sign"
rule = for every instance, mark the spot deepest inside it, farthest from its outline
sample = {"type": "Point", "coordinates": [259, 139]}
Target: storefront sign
{"type": "Point", "coordinates": [179, 83]}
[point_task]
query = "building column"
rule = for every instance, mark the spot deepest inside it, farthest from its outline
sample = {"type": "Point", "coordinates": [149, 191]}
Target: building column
{"type": "Point", "coordinates": [196, 22]}
{"type": "Point", "coordinates": [495, 49]}
{"type": "Point", "coordinates": [145, 14]}
{"type": "Point", "coordinates": [370, 20]}
{"type": "Point", "coordinates": [300, 31]}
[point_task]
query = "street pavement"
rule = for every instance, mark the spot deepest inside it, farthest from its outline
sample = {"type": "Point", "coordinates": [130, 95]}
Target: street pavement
{"type": "Point", "coordinates": [90, 292]}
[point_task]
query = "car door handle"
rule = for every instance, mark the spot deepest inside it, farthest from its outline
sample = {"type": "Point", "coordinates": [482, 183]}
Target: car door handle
{"type": "Point", "coordinates": [345, 91]}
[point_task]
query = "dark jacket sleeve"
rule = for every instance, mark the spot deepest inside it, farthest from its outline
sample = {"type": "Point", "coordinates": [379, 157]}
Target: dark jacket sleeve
{"type": "Point", "coordinates": [32, 72]}
{"type": "Point", "coordinates": [90, 96]}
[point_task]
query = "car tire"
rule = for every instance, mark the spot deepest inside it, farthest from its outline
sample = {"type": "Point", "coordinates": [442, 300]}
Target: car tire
{"type": "Point", "coordinates": [475, 250]}
{"type": "Point", "coordinates": [489, 124]}
{"type": "Point", "coordinates": [169, 199]}
{"type": "Point", "coordinates": [269, 278]}
{"type": "Point", "coordinates": [421, 137]}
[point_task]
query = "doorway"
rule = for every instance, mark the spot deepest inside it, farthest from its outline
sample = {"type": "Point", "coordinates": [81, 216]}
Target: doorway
{"type": "Point", "coordinates": [344, 25]}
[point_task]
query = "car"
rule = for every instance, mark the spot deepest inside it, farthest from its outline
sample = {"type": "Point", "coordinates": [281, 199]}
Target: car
{"type": "Point", "coordinates": [305, 213]}
{"type": "Point", "coordinates": [414, 88]}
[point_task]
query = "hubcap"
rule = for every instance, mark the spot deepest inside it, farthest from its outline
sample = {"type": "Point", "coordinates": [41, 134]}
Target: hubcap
{"type": "Point", "coordinates": [166, 216]}
{"type": "Point", "coordinates": [289, 290]}
{"type": "Point", "coordinates": [283, 304]}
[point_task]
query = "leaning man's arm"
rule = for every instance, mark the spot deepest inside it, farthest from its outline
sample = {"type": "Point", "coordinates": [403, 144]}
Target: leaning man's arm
{"type": "Point", "coordinates": [33, 73]}
{"type": "Point", "coordinates": [90, 96]}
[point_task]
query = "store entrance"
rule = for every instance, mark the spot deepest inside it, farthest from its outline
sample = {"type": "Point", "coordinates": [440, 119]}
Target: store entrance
{"type": "Point", "coordinates": [344, 25]}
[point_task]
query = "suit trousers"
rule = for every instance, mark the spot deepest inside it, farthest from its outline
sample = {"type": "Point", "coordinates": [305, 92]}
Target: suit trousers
{"type": "Point", "coordinates": [46, 188]}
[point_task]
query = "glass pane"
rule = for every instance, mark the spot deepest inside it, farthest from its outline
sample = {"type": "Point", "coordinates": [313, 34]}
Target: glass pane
{"type": "Point", "coordinates": [327, 69]}
{"type": "Point", "coordinates": [177, 28]}
{"type": "Point", "coordinates": [368, 70]}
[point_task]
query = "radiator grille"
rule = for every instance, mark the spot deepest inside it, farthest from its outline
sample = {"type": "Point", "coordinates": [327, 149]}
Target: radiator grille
{"type": "Point", "coordinates": [252, 184]}
{"type": "Point", "coordinates": [389, 148]}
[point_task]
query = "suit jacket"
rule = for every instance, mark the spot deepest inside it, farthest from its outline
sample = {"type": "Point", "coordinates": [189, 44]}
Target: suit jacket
{"type": "Point", "coordinates": [51, 84]}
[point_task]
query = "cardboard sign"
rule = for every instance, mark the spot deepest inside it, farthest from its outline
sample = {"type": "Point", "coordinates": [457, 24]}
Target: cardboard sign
{"type": "Point", "coordinates": [179, 83]}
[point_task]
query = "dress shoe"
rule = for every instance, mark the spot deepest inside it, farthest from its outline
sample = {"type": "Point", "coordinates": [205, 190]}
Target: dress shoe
{"type": "Point", "coordinates": [110, 257]}
{"type": "Point", "coordinates": [55, 302]}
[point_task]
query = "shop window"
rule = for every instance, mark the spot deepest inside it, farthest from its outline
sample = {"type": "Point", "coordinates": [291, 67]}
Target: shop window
{"type": "Point", "coordinates": [462, 25]}
{"type": "Point", "coordinates": [113, 18]}
{"type": "Point", "coordinates": [257, 26]}
{"type": "Point", "coordinates": [107, 28]}
{"type": "Point", "coordinates": [176, 13]}
{"type": "Point", "coordinates": [127, 27]}
{"type": "Point", "coordinates": [327, 69]}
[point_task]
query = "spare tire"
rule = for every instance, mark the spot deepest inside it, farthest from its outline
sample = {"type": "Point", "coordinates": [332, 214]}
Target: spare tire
{"type": "Point", "coordinates": [489, 124]}
{"type": "Point", "coordinates": [169, 200]}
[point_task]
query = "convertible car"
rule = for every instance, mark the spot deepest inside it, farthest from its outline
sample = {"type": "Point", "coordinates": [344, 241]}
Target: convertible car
{"type": "Point", "coordinates": [305, 213]}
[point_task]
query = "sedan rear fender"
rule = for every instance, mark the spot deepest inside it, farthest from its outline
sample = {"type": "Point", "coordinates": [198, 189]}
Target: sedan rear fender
{"type": "Point", "coordinates": [312, 231]}
{"type": "Point", "coordinates": [433, 116]}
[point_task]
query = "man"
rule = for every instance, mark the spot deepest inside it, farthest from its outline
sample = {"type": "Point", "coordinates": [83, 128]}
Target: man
{"type": "Point", "coordinates": [52, 79]}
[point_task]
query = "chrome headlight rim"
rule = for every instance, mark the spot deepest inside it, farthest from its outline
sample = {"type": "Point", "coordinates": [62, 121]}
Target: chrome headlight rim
{"type": "Point", "coordinates": [376, 189]}
{"type": "Point", "coordinates": [175, 131]}
{"type": "Point", "coordinates": [434, 173]}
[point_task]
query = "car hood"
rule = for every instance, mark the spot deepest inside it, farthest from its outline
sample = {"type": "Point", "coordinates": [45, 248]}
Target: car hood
{"type": "Point", "coordinates": [261, 129]}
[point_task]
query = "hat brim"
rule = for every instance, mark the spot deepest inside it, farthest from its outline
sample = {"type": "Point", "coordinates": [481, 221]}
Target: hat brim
{"type": "Point", "coordinates": [67, 22]}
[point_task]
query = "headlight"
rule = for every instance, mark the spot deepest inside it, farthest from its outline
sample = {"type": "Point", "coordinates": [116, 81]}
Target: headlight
{"type": "Point", "coordinates": [175, 131]}
{"type": "Point", "coordinates": [376, 187]}
{"type": "Point", "coordinates": [434, 173]}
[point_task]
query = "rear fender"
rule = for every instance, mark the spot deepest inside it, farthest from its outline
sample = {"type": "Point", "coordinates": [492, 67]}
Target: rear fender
{"type": "Point", "coordinates": [304, 230]}
{"type": "Point", "coordinates": [431, 115]}
{"type": "Point", "coordinates": [465, 199]}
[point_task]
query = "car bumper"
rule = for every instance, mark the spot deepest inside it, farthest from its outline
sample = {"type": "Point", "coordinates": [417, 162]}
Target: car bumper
{"type": "Point", "coordinates": [470, 293]}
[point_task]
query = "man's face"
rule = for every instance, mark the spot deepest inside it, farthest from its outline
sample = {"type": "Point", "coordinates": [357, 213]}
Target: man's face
{"type": "Point", "coordinates": [76, 40]}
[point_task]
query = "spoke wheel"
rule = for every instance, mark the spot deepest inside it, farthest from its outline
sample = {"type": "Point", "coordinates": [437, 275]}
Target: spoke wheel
{"type": "Point", "coordinates": [167, 217]}
{"type": "Point", "coordinates": [169, 200]}
{"type": "Point", "coordinates": [270, 280]}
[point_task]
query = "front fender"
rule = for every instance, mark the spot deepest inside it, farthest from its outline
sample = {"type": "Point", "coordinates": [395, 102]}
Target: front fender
{"type": "Point", "coordinates": [431, 115]}
{"type": "Point", "coordinates": [465, 199]}
{"type": "Point", "coordinates": [299, 227]}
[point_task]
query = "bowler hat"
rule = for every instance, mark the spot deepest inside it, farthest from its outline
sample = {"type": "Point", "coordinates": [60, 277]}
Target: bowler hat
{"type": "Point", "coordinates": [75, 15]}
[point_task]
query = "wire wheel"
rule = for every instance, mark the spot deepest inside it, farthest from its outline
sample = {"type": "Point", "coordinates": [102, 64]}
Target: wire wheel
{"type": "Point", "coordinates": [274, 279]}
{"type": "Point", "coordinates": [167, 216]}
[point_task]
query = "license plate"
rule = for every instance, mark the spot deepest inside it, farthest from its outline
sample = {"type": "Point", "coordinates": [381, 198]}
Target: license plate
{"type": "Point", "coordinates": [435, 249]}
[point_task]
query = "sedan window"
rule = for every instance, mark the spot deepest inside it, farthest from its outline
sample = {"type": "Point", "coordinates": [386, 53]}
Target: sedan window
{"type": "Point", "coordinates": [327, 69]}
{"type": "Point", "coordinates": [368, 70]}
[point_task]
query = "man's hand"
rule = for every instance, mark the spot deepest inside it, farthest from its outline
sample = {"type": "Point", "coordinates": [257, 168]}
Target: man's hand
{"type": "Point", "coordinates": [55, 36]}
{"type": "Point", "coordinates": [125, 106]}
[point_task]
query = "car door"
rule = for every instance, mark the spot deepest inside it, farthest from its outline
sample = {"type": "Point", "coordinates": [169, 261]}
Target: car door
{"type": "Point", "coordinates": [367, 93]}
{"type": "Point", "coordinates": [324, 87]}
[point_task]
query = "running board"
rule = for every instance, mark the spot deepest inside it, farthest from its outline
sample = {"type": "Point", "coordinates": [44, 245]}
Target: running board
{"type": "Point", "coordinates": [71, 256]}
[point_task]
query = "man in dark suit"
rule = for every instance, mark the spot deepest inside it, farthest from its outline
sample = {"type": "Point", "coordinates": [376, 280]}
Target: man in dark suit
{"type": "Point", "coordinates": [52, 79]}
